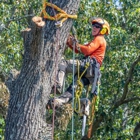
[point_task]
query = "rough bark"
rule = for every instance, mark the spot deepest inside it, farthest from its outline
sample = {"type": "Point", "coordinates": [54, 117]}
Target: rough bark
{"type": "Point", "coordinates": [4, 96]}
{"type": "Point", "coordinates": [29, 91]}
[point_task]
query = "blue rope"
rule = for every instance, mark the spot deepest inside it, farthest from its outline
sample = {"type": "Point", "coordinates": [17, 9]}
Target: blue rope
{"type": "Point", "coordinates": [73, 91]}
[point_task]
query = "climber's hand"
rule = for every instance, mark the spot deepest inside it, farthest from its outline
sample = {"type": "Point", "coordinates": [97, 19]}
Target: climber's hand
{"type": "Point", "coordinates": [70, 40]}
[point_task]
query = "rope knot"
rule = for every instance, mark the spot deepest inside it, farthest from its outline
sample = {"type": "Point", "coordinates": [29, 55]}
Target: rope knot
{"type": "Point", "coordinates": [60, 17]}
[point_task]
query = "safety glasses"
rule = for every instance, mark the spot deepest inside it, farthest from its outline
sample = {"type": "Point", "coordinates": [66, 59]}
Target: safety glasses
{"type": "Point", "coordinates": [96, 25]}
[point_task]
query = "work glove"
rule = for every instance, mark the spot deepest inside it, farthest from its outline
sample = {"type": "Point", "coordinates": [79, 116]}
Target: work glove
{"type": "Point", "coordinates": [70, 40]}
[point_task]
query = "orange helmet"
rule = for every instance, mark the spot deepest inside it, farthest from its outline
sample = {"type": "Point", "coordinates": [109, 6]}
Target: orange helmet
{"type": "Point", "coordinates": [105, 25]}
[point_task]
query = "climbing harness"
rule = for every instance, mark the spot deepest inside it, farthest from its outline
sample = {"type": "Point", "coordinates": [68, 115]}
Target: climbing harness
{"type": "Point", "coordinates": [60, 17]}
{"type": "Point", "coordinates": [89, 109]}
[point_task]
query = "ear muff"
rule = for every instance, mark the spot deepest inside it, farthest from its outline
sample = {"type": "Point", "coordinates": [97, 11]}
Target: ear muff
{"type": "Point", "coordinates": [103, 31]}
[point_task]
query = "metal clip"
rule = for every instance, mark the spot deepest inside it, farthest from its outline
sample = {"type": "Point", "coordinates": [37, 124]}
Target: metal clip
{"type": "Point", "coordinates": [58, 24]}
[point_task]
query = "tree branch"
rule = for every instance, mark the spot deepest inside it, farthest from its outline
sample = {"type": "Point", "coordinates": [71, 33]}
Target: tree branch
{"type": "Point", "coordinates": [19, 18]}
{"type": "Point", "coordinates": [130, 74]}
{"type": "Point", "coordinates": [4, 26]}
{"type": "Point", "coordinates": [33, 38]}
{"type": "Point", "coordinates": [130, 100]}
{"type": "Point", "coordinates": [136, 131]}
{"type": "Point", "coordinates": [97, 123]}
{"type": "Point", "coordinates": [122, 100]}
{"type": "Point", "coordinates": [128, 80]}
{"type": "Point", "coordinates": [11, 78]}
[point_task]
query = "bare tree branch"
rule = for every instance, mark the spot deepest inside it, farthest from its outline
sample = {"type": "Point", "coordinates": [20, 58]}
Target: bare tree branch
{"type": "Point", "coordinates": [131, 100]}
{"type": "Point", "coordinates": [19, 18]}
{"type": "Point", "coordinates": [130, 74]}
{"type": "Point", "coordinates": [4, 26]}
{"type": "Point", "coordinates": [122, 100]}
{"type": "Point", "coordinates": [128, 80]}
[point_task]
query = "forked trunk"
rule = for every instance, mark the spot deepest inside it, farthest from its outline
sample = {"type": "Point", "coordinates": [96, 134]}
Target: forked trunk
{"type": "Point", "coordinates": [29, 92]}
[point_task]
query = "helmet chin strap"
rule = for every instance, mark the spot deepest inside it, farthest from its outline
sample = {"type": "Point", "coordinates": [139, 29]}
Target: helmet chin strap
{"type": "Point", "coordinates": [98, 33]}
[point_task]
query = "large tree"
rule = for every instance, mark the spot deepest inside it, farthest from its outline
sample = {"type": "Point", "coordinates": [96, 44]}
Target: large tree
{"type": "Point", "coordinates": [29, 91]}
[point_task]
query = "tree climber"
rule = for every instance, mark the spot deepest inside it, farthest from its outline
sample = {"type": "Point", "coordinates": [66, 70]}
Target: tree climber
{"type": "Point", "coordinates": [94, 53]}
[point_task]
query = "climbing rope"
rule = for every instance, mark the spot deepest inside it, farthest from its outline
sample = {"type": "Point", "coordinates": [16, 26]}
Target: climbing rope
{"type": "Point", "coordinates": [92, 110]}
{"type": "Point", "coordinates": [56, 66]}
{"type": "Point", "coordinates": [79, 88]}
{"type": "Point", "coordinates": [73, 74]}
{"type": "Point", "coordinates": [94, 107]}
{"type": "Point", "coordinates": [61, 16]}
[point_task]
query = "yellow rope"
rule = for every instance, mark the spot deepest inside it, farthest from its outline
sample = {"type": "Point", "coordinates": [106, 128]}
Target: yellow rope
{"type": "Point", "coordinates": [77, 105]}
{"type": "Point", "coordinates": [61, 15]}
{"type": "Point", "coordinates": [94, 106]}
{"type": "Point", "coordinates": [92, 110]}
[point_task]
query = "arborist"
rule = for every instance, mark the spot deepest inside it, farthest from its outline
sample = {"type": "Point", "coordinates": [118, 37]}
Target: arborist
{"type": "Point", "coordinates": [94, 53]}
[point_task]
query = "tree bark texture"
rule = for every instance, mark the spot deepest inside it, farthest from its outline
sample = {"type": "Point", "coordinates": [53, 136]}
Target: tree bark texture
{"type": "Point", "coordinates": [29, 91]}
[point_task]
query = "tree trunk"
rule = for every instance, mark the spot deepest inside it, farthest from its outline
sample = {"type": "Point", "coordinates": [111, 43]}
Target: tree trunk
{"type": "Point", "coordinates": [29, 92]}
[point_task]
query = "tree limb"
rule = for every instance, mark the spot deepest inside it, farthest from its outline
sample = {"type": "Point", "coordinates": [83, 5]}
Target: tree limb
{"type": "Point", "coordinates": [2, 26]}
{"type": "Point", "coordinates": [130, 100]}
{"type": "Point", "coordinates": [11, 78]}
{"type": "Point", "coordinates": [19, 18]}
{"type": "Point", "coordinates": [36, 34]}
{"type": "Point", "coordinates": [128, 80]}
{"type": "Point", "coordinates": [136, 131]}
{"type": "Point", "coordinates": [127, 101]}
{"type": "Point", "coordinates": [122, 100]}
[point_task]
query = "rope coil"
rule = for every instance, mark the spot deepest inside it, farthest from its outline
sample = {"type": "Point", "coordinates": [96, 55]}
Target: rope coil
{"type": "Point", "coordinates": [77, 105]}
{"type": "Point", "coordinates": [61, 16]}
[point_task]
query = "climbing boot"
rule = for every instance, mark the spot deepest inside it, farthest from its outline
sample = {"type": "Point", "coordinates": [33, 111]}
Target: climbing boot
{"type": "Point", "coordinates": [58, 83]}
{"type": "Point", "coordinates": [85, 104]}
{"type": "Point", "coordinates": [58, 89]}
{"type": "Point", "coordinates": [59, 101]}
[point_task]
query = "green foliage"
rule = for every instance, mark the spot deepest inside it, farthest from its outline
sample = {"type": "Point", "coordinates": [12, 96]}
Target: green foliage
{"type": "Point", "coordinates": [13, 19]}
{"type": "Point", "coordinates": [2, 125]}
{"type": "Point", "coordinates": [122, 50]}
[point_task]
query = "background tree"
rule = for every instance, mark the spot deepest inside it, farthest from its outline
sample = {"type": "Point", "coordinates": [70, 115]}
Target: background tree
{"type": "Point", "coordinates": [119, 96]}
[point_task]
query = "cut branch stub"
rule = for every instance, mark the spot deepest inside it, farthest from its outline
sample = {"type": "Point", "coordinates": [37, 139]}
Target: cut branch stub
{"type": "Point", "coordinates": [33, 39]}
{"type": "Point", "coordinates": [38, 21]}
